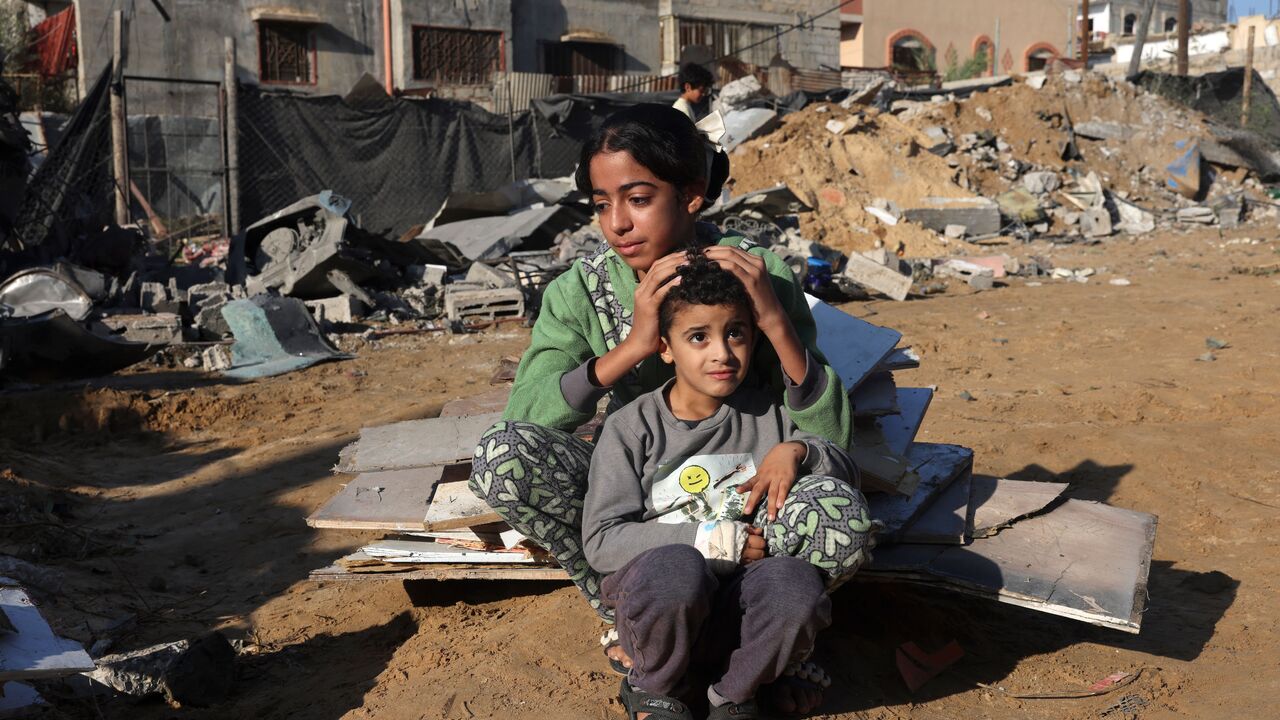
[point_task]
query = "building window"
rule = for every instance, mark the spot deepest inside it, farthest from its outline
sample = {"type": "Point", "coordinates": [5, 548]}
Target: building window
{"type": "Point", "coordinates": [456, 56]}
{"type": "Point", "coordinates": [286, 52]}
{"type": "Point", "coordinates": [746, 42]}
{"type": "Point", "coordinates": [1170, 24]}
{"type": "Point", "coordinates": [984, 54]}
{"type": "Point", "coordinates": [911, 52]}
{"type": "Point", "coordinates": [1130, 21]}
{"type": "Point", "coordinates": [581, 58]}
{"type": "Point", "coordinates": [1039, 56]}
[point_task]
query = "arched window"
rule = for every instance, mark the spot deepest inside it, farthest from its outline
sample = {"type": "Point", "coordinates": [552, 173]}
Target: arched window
{"type": "Point", "coordinates": [1039, 56]}
{"type": "Point", "coordinates": [1170, 24]}
{"type": "Point", "coordinates": [1130, 21]}
{"type": "Point", "coordinates": [911, 51]}
{"type": "Point", "coordinates": [985, 49]}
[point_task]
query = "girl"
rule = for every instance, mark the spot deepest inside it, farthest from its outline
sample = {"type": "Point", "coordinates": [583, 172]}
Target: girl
{"type": "Point", "coordinates": [648, 173]}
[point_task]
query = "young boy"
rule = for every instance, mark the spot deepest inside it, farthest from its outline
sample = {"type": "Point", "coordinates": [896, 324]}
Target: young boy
{"type": "Point", "coordinates": [692, 578]}
{"type": "Point", "coordinates": [695, 89]}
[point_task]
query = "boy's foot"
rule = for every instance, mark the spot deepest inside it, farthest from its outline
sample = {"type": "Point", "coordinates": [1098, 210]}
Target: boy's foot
{"type": "Point", "coordinates": [618, 660]}
{"type": "Point", "coordinates": [616, 654]}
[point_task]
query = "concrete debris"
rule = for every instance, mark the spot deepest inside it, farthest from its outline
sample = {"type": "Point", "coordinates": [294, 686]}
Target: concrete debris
{"type": "Point", "coordinates": [1198, 215]}
{"type": "Point", "coordinates": [1133, 219]}
{"type": "Point", "coordinates": [340, 309]}
{"type": "Point", "coordinates": [864, 96]}
{"type": "Point", "coordinates": [736, 94]}
{"type": "Point", "coordinates": [428, 275]}
{"type": "Point", "coordinates": [1020, 205]}
{"type": "Point", "coordinates": [1036, 81]}
{"type": "Point", "coordinates": [216, 358]}
{"type": "Point", "coordinates": [209, 322]}
{"type": "Point", "coordinates": [158, 329]}
{"type": "Point", "coordinates": [293, 250]}
{"type": "Point", "coordinates": [840, 127]}
{"type": "Point", "coordinates": [1041, 182]}
{"type": "Point", "coordinates": [980, 215]}
{"type": "Point", "coordinates": [1098, 130]}
{"type": "Point", "coordinates": [874, 276]}
{"type": "Point", "coordinates": [198, 672]}
{"type": "Point", "coordinates": [462, 305]}
{"type": "Point", "coordinates": [1096, 222]}
{"type": "Point", "coordinates": [955, 232]}
{"type": "Point", "coordinates": [743, 125]}
{"type": "Point", "coordinates": [490, 276]}
{"type": "Point", "coordinates": [939, 141]}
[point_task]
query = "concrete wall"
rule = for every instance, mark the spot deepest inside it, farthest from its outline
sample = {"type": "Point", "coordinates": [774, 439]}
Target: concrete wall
{"type": "Point", "coordinates": [1024, 25]}
{"type": "Point", "coordinates": [1109, 17]}
{"type": "Point", "coordinates": [471, 14]}
{"type": "Point", "coordinates": [807, 49]}
{"type": "Point", "coordinates": [190, 43]}
{"type": "Point", "coordinates": [633, 24]}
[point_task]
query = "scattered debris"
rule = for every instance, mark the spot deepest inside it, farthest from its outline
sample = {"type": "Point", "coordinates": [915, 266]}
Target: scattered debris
{"type": "Point", "coordinates": [274, 335]}
{"type": "Point", "coordinates": [198, 672]}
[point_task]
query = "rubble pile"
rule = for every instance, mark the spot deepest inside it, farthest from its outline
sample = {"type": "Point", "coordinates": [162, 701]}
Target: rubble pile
{"type": "Point", "coordinates": [1068, 157]}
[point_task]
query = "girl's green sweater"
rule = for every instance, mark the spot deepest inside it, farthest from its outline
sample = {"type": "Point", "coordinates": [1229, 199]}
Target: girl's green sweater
{"type": "Point", "coordinates": [587, 311]}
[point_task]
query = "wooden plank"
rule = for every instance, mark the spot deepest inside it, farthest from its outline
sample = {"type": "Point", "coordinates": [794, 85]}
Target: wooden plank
{"type": "Point", "coordinates": [937, 465]}
{"type": "Point", "coordinates": [883, 471]}
{"type": "Point", "coordinates": [876, 396]}
{"type": "Point", "coordinates": [1082, 560]}
{"type": "Point", "coordinates": [903, 358]}
{"type": "Point", "coordinates": [34, 651]}
{"type": "Point", "coordinates": [439, 572]}
{"type": "Point", "coordinates": [455, 506]}
{"type": "Point", "coordinates": [405, 550]}
{"type": "Point", "coordinates": [387, 500]}
{"type": "Point", "coordinates": [853, 347]}
{"type": "Point", "coordinates": [415, 443]}
{"type": "Point", "coordinates": [899, 431]}
{"type": "Point", "coordinates": [486, 403]}
{"type": "Point", "coordinates": [946, 522]}
{"type": "Point", "coordinates": [998, 503]}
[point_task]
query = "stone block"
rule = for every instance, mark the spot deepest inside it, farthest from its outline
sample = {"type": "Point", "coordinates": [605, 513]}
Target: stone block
{"type": "Point", "coordinates": [490, 276]}
{"type": "Point", "coordinates": [460, 305]}
{"type": "Point", "coordinates": [157, 329]}
{"type": "Point", "coordinates": [980, 215]}
{"type": "Point", "coordinates": [1096, 222]}
{"type": "Point", "coordinates": [873, 276]}
{"type": "Point", "coordinates": [340, 309]}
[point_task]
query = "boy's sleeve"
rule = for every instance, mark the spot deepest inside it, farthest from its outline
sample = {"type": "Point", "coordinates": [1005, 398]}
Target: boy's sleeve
{"type": "Point", "coordinates": [822, 457]}
{"type": "Point", "coordinates": [612, 532]}
{"type": "Point", "coordinates": [827, 412]}
{"type": "Point", "coordinates": [552, 387]}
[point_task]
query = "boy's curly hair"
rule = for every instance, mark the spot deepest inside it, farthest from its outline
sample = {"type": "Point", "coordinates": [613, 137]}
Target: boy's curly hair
{"type": "Point", "coordinates": [702, 282]}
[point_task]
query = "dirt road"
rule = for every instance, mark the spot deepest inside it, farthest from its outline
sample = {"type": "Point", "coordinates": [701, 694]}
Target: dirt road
{"type": "Point", "coordinates": [167, 503]}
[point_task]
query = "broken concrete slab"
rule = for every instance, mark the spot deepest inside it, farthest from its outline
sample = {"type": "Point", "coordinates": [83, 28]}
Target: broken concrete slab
{"type": "Point", "coordinates": [340, 309]}
{"type": "Point", "coordinates": [874, 276]}
{"type": "Point", "coordinates": [489, 276]}
{"type": "Point", "coordinates": [875, 397]}
{"type": "Point", "coordinates": [1082, 560]}
{"type": "Point", "coordinates": [770, 202]}
{"type": "Point", "coordinates": [1198, 215]}
{"type": "Point", "coordinates": [998, 503]}
{"type": "Point", "coordinates": [458, 244]}
{"type": "Point", "coordinates": [899, 431]}
{"type": "Point", "coordinates": [743, 125]}
{"type": "Point", "coordinates": [1041, 182]}
{"type": "Point", "coordinates": [198, 672]}
{"type": "Point", "coordinates": [32, 650]}
{"type": "Point", "coordinates": [1133, 219]}
{"type": "Point", "coordinates": [1020, 205]}
{"type": "Point", "coordinates": [464, 305]}
{"type": "Point", "coordinates": [1101, 130]}
{"type": "Point", "coordinates": [209, 320]}
{"type": "Point", "coordinates": [980, 215]}
{"type": "Point", "coordinates": [852, 347]}
{"type": "Point", "coordinates": [158, 329]}
{"type": "Point", "coordinates": [1096, 222]}
{"type": "Point", "coordinates": [938, 140]}
{"type": "Point", "coordinates": [955, 232]}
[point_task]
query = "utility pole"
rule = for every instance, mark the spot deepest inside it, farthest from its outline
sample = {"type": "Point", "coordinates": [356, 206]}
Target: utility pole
{"type": "Point", "coordinates": [1144, 24]}
{"type": "Point", "coordinates": [233, 136]}
{"type": "Point", "coordinates": [1184, 31]}
{"type": "Point", "coordinates": [119, 140]}
{"type": "Point", "coordinates": [1084, 33]}
{"type": "Point", "coordinates": [1248, 81]}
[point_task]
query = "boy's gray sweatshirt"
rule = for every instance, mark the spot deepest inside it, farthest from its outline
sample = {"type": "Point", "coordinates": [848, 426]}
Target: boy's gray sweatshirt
{"type": "Point", "coordinates": [647, 461]}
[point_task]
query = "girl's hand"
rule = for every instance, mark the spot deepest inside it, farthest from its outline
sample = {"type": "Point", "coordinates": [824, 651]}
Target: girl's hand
{"type": "Point", "coordinates": [774, 478]}
{"type": "Point", "coordinates": [751, 271]}
{"type": "Point", "coordinates": [649, 294]}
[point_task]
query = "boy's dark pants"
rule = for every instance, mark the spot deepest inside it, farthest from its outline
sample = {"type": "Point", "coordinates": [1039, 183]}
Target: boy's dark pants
{"type": "Point", "coordinates": [673, 613]}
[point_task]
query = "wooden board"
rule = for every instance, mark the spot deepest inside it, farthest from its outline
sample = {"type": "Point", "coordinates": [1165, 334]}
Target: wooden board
{"type": "Point", "coordinates": [34, 651]}
{"type": "Point", "coordinates": [486, 403]}
{"type": "Point", "coordinates": [900, 430]}
{"type": "Point", "coordinates": [402, 550]}
{"type": "Point", "coordinates": [946, 521]}
{"type": "Point", "coordinates": [1081, 560]}
{"type": "Point", "coordinates": [438, 572]}
{"type": "Point", "coordinates": [883, 471]}
{"type": "Point", "coordinates": [903, 358]}
{"type": "Point", "coordinates": [415, 443]}
{"type": "Point", "coordinates": [455, 506]}
{"type": "Point", "coordinates": [853, 347]}
{"type": "Point", "coordinates": [937, 465]}
{"type": "Point", "coordinates": [401, 503]}
{"type": "Point", "coordinates": [998, 503]}
{"type": "Point", "coordinates": [876, 396]}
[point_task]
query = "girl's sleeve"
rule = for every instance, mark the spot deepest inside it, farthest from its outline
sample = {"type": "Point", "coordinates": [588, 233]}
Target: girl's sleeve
{"type": "Point", "coordinates": [557, 361]}
{"type": "Point", "coordinates": [818, 404]}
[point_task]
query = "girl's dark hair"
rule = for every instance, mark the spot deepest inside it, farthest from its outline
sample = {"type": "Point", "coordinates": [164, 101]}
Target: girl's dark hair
{"type": "Point", "coordinates": [702, 282]}
{"type": "Point", "coordinates": [662, 139]}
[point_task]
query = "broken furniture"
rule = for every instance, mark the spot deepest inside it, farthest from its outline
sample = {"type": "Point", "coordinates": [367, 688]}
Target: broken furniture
{"type": "Point", "coordinates": [1011, 541]}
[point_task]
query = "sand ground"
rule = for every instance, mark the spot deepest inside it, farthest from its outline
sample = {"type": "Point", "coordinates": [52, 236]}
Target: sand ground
{"type": "Point", "coordinates": [166, 503]}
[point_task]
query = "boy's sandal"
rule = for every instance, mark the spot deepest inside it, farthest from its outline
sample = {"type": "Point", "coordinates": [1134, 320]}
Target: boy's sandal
{"type": "Point", "coordinates": [610, 641]}
{"type": "Point", "coordinates": [659, 707]}
{"type": "Point", "coordinates": [748, 710]}
{"type": "Point", "coordinates": [804, 675]}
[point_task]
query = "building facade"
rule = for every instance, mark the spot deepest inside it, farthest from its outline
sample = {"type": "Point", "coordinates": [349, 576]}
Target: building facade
{"type": "Point", "coordinates": [1109, 20]}
{"type": "Point", "coordinates": [951, 37]}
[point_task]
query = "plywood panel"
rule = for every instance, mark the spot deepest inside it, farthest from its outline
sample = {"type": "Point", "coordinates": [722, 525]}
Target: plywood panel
{"type": "Point", "coordinates": [387, 500]}
{"type": "Point", "coordinates": [997, 503]}
{"type": "Point", "coordinates": [1082, 560]}
{"type": "Point", "coordinates": [455, 506]}
{"type": "Point", "coordinates": [937, 466]}
{"type": "Point", "coordinates": [853, 347]}
{"type": "Point", "coordinates": [415, 443]}
{"type": "Point", "coordinates": [946, 521]}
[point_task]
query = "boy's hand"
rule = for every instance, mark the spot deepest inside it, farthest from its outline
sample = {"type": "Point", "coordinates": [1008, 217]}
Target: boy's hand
{"type": "Point", "coordinates": [774, 478]}
{"type": "Point", "coordinates": [754, 549]}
